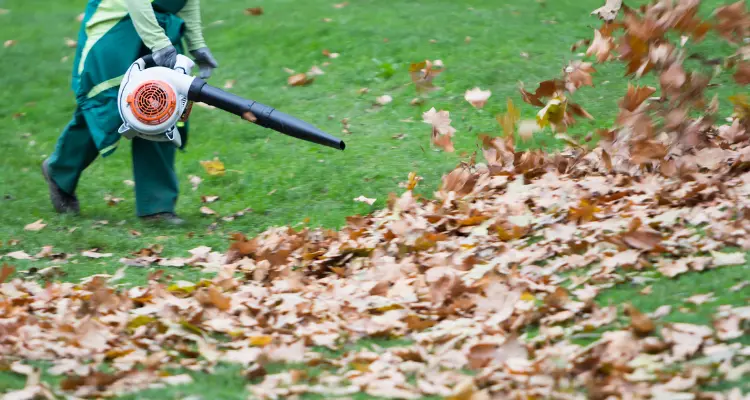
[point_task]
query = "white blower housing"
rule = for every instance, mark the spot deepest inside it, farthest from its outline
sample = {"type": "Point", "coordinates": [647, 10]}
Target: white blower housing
{"type": "Point", "coordinates": [153, 100]}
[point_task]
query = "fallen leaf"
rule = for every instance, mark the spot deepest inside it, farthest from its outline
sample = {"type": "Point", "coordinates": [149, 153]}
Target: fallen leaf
{"type": "Point", "coordinates": [254, 11]}
{"type": "Point", "coordinates": [699, 299]}
{"type": "Point", "coordinates": [229, 84]}
{"type": "Point", "coordinates": [195, 181]}
{"type": "Point", "coordinates": [207, 211]}
{"type": "Point", "coordinates": [363, 199]}
{"type": "Point", "coordinates": [383, 100]}
{"type": "Point", "coordinates": [35, 226]}
{"type": "Point", "coordinates": [722, 259]}
{"type": "Point", "coordinates": [71, 43]}
{"type": "Point", "coordinates": [9, 43]}
{"type": "Point", "coordinates": [95, 254]}
{"type": "Point", "coordinates": [213, 167]}
{"type": "Point", "coordinates": [300, 79]}
{"type": "Point", "coordinates": [209, 199]}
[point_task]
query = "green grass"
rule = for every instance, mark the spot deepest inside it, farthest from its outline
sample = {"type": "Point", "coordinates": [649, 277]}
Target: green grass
{"type": "Point", "coordinates": [307, 181]}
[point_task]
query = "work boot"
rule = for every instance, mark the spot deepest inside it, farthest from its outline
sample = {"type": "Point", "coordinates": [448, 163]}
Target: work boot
{"type": "Point", "coordinates": [167, 217]}
{"type": "Point", "coordinates": [63, 202]}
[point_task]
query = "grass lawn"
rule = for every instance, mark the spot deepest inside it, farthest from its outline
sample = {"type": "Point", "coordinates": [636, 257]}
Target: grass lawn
{"type": "Point", "coordinates": [487, 43]}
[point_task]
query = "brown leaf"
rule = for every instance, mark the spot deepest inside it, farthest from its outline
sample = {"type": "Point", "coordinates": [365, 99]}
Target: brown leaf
{"type": "Point", "coordinates": [300, 79]}
{"type": "Point", "coordinates": [255, 11]}
{"type": "Point", "coordinates": [636, 96]}
{"type": "Point", "coordinates": [742, 74]}
{"type": "Point", "coordinates": [6, 271]}
{"type": "Point", "coordinates": [640, 322]}
{"type": "Point", "coordinates": [601, 46]}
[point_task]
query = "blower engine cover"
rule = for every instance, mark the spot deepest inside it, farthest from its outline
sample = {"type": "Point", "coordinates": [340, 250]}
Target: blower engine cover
{"type": "Point", "coordinates": [153, 100]}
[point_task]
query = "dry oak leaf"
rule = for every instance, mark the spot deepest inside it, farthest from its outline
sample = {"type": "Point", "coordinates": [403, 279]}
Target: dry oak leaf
{"type": "Point", "coordinates": [477, 97]}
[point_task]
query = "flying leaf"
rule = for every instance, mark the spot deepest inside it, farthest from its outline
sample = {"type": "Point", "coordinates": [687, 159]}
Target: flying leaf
{"type": "Point", "coordinates": [477, 97]}
{"type": "Point", "coordinates": [442, 131]}
{"type": "Point", "coordinates": [601, 47]}
{"type": "Point", "coordinates": [636, 95]}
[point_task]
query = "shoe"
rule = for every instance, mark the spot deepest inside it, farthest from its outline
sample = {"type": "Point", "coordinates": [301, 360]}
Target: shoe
{"type": "Point", "coordinates": [168, 217]}
{"type": "Point", "coordinates": [63, 202]}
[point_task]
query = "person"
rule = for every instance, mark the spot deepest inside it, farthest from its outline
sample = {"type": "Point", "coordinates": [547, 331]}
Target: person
{"type": "Point", "coordinates": [113, 35]}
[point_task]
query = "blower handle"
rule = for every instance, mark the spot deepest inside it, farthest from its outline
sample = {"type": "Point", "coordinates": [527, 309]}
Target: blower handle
{"type": "Point", "coordinates": [149, 61]}
{"type": "Point", "coordinates": [260, 114]}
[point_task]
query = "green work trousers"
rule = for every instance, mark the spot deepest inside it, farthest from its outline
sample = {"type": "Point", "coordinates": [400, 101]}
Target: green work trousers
{"type": "Point", "coordinates": [156, 187]}
{"type": "Point", "coordinates": [101, 60]}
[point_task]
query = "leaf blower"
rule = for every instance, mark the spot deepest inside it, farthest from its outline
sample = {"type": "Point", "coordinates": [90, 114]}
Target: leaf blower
{"type": "Point", "coordinates": [153, 99]}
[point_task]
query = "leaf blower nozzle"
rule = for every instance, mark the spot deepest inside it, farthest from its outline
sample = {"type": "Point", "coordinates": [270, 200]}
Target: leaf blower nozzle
{"type": "Point", "coordinates": [263, 115]}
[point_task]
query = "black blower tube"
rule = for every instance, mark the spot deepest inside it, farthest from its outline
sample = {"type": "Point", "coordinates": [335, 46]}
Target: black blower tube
{"type": "Point", "coordinates": [263, 115]}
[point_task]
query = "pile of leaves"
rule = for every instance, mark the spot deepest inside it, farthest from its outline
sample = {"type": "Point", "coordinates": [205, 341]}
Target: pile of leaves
{"type": "Point", "coordinates": [522, 242]}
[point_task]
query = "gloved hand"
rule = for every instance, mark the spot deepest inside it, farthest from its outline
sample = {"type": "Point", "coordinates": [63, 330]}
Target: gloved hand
{"type": "Point", "coordinates": [206, 61]}
{"type": "Point", "coordinates": [166, 57]}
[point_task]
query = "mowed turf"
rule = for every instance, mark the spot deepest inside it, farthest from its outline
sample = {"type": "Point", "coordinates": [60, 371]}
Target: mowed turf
{"type": "Point", "coordinates": [486, 43]}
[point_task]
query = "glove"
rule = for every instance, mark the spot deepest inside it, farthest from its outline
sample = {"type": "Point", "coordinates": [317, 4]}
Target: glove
{"type": "Point", "coordinates": [166, 57]}
{"type": "Point", "coordinates": [205, 60]}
